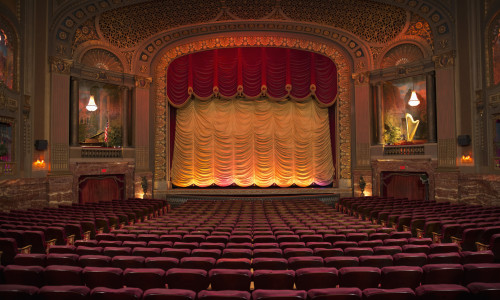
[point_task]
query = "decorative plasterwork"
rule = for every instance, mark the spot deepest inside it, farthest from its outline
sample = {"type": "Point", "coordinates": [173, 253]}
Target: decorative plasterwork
{"type": "Point", "coordinates": [59, 65]}
{"type": "Point", "coordinates": [343, 98]}
{"type": "Point", "coordinates": [328, 13]}
{"type": "Point", "coordinates": [7, 103]}
{"type": "Point", "coordinates": [102, 59]}
{"type": "Point", "coordinates": [145, 54]}
{"type": "Point", "coordinates": [401, 54]}
{"type": "Point", "coordinates": [444, 60]}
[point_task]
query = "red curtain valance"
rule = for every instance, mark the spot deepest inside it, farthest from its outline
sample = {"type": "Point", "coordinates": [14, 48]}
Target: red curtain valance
{"type": "Point", "coordinates": [252, 72]}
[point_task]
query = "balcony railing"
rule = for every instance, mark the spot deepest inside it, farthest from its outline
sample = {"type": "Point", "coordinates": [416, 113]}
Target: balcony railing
{"type": "Point", "coordinates": [404, 150]}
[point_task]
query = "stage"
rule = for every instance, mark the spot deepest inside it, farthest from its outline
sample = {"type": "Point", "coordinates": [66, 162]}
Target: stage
{"type": "Point", "coordinates": [178, 196]}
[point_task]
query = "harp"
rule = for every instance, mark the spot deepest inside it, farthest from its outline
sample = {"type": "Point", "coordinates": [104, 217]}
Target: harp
{"type": "Point", "coordinates": [411, 127]}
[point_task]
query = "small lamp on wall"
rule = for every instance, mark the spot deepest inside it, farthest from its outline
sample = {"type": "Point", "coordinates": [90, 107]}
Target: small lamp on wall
{"type": "Point", "coordinates": [91, 106]}
{"type": "Point", "coordinates": [413, 99]}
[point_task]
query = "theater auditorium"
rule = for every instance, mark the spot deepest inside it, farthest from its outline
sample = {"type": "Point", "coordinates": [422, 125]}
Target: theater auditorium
{"type": "Point", "coordinates": [249, 149]}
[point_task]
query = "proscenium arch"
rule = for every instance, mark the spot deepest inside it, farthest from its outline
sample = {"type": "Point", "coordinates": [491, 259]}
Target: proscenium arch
{"type": "Point", "coordinates": [336, 53]}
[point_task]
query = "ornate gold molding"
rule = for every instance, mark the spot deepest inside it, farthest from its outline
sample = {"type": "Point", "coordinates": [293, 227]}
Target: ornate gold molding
{"type": "Point", "coordinates": [60, 65]}
{"type": "Point", "coordinates": [143, 82]}
{"type": "Point", "coordinates": [343, 101]}
{"type": "Point", "coordinates": [444, 60]}
{"type": "Point", "coordinates": [7, 102]}
{"type": "Point", "coordinates": [361, 78]}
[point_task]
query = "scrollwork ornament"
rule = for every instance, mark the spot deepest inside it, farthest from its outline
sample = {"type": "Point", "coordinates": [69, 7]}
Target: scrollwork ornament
{"type": "Point", "coordinates": [60, 65]}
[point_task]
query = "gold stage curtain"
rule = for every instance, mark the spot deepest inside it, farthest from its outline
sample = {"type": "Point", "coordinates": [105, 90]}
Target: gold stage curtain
{"type": "Point", "coordinates": [247, 142]}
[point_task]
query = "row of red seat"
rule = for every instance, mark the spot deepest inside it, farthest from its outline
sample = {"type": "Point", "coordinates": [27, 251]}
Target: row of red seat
{"type": "Point", "coordinates": [245, 280]}
{"type": "Point", "coordinates": [483, 291]}
{"type": "Point", "coordinates": [202, 260]}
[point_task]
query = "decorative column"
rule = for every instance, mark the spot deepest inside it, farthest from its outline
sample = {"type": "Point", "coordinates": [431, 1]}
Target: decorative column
{"type": "Point", "coordinates": [431, 107]}
{"type": "Point", "coordinates": [362, 174]}
{"type": "Point", "coordinates": [74, 106]}
{"type": "Point", "coordinates": [125, 93]}
{"type": "Point", "coordinates": [142, 136]}
{"type": "Point", "coordinates": [447, 175]}
{"type": "Point", "coordinates": [380, 117]}
{"type": "Point", "coordinates": [60, 178]}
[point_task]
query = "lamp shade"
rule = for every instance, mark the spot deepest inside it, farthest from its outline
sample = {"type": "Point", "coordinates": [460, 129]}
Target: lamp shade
{"type": "Point", "coordinates": [413, 99]}
{"type": "Point", "coordinates": [91, 106]}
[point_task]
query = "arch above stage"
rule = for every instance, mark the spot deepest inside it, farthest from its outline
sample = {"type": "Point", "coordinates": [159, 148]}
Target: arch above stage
{"type": "Point", "coordinates": [342, 61]}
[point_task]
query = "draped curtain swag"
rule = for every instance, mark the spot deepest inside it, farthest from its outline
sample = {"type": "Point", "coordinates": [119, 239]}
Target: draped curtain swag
{"type": "Point", "coordinates": [252, 72]}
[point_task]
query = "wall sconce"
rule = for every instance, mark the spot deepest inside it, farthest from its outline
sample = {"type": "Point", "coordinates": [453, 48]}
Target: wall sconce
{"type": "Point", "coordinates": [91, 106]}
{"type": "Point", "coordinates": [413, 99]}
{"type": "Point", "coordinates": [39, 164]}
{"type": "Point", "coordinates": [467, 159]}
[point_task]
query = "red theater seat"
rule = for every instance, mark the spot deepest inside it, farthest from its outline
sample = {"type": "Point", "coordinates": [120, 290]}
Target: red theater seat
{"type": "Point", "coordinates": [316, 278]}
{"type": "Point", "coordinates": [279, 295]}
{"type": "Point", "coordinates": [341, 261]}
{"type": "Point", "coordinates": [144, 278]}
{"type": "Point", "coordinates": [273, 279]}
{"type": "Point", "coordinates": [18, 292]}
{"type": "Point", "coordinates": [442, 291]}
{"type": "Point", "coordinates": [59, 292]}
{"type": "Point", "coordinates": [169, 294]}
{"type": "Point", "coordinates": [360, 277]}
{"type": "Point", "coordinates": [230, 279]}
{"type": "Point", "coordinates": [187, 279]}
{"type": "Point", "coordinates": [164, 263]}
{"type": "Point", "coordinates": [94, 261]}
{"type": "Point", "coordinates": [205, 263]}
{"type": "Point", "coordinates": [124, 293]}
{"type": "Point", "coordinates": [127, 261]}
{"type": "Point", "coordinates": [223, 295]}
{"type": "Point", "coordinates": [400, 277]}
{"type": "Point", "coordinates": [63, 275]}
{"type": "Point", "coordinates": [102, 277]}
{"type": "Point", "coordinates": [335, 294]}
{"type": "Point", "coordinates": [389, 294]}
{"type": "Point", "coordinates": [484, 291]}
{"type": "Point", "coordinates": [24, 275]}
{"type": "Point", "coordinates": [443, 274]}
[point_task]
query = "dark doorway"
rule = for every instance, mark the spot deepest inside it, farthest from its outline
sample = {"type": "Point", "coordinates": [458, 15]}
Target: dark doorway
{"type": "Point", "coordinates": [96, 188]}
{"type": "Point", "coordinates": [411, 185]}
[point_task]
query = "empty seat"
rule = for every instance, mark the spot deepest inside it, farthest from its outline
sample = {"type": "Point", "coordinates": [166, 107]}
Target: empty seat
{"type": "Point", "coordinates": [175, 253]}
{"type": "Point", "coordinates": [482, 273]}
{"type": "Point", "coordinates": [127, 261]}
{"type": "Point", "coordinates": [328, 252]}
{"type": "Point", "coordinates": [205, 263]}
{"type": "Point", "coordinates": [271, 253]}
{"type": "Point", "coordinates": [340, 293]}
{"type": "Point", "coordinates": [123, 293]}
{"type": "Point", "coordinates": [341, 261]}
{"type": "Point", "coordinates": [114, 251]}
{"type": "Point", "coordinates": [18, 292]}
{"type": "Point", "coordinates": [299, 262]}
{"type": "Point", "coordinates": [237, 253]}
{"type": "Point", "coordinates": [103, 277]}
{"type": "Point", "coordinates": [86, 250]}
{"type": "Point", "coordinates": [442, 274]}
{"type": "Point", "coordinates": [358, 251]}
{"type": "Point", "coordinates": [227, 294]}
{"type": "Point", "coordinates": [233, 263]}
{"type": "Point", "coordinates": [389, 294]}
{"type": "Point", "coordinates": [476, 257]}
{"type": "Point", "coordinates": [24, 275]}
{"type": "Point", "coordinates": [292, 252]}
{"type": "Point", "coordinates": [444, 258]}
{"type": "Point", "coordinates": [230, 279]}
{"type": "Point", "coordinates": [273, 279]}
{"type": "Point", "coordinates": [484, 291]}
{"type": "Point", "coordinates": [169, 294]}
{"type": "Point", "coordinates": [400, 277]}
{"type": "Point", "coordinates": [58, 292]}
{"type": "Point", "coordinates": [63, 275]}
{"type": "Point", "coordinates": [68, 259]}
{"type": "Point", "coordinates": [164, 263]}
{"type": "Point", "coordinates": [444, 248]}
{"type": "Point", "coordinates": [31, 259]}
{"type": "Point", "coordinates": [94, 261]}
{"type": "Point", "coordinates": [386, 250]}
{"type": "Point", "coordinates": [410, 259]}
{"type": "Point", "coordinates": [378, 261]}
{"type": "Point", "coordinates": [268, 263]}
{"type": "Point", "coordinates": [187, 279]}
{"type": "Point", "coordinates": [442, 291]}
{"type": "Point", "coordinates": [412, 248]}
{"type": "Point", "coordinates": [214, 253]}
{"type": "Point", "coordinates": [360, 277]}
{"type": "Point", "coordinates": [316, 278]}
{"type": "Point", "coordinates": [279, 294]}
{"type": "Point", "coordinates": [144, 278]}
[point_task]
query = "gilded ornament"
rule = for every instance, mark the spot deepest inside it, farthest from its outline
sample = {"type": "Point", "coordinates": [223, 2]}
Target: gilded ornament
{"type": "Point", "coordinates": [69, 23]}
{"type": "Point", "coordinates": [79, 14]}
{"type": "Point", "coordinates": [424, 8]}
{"type": "Point", "coordinates": [442, 29]}
{"type": "Point", "coordinates": [62, 35]}
{"type": "Point", "coordinates": [436, 17]}
{"type": "Point", "coordinates": [91, 8]}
